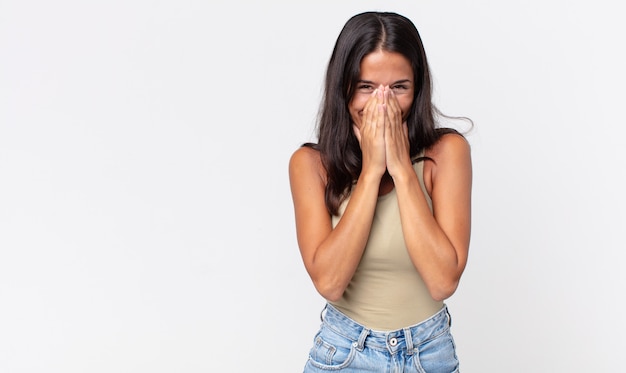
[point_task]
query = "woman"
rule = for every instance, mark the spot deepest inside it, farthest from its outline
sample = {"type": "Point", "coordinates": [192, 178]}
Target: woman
{"type": "Point", "coordinates": [382, 206]}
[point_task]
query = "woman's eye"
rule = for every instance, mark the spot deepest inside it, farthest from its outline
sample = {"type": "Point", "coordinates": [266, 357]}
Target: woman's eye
{"type": "Point", "coordinates": [365, 87]}
{"type": "Point", "coordinates": [400, 87]}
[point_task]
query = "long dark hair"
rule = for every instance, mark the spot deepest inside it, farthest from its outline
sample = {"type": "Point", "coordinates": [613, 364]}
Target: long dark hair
{"type": "Point", "coordinates": [339, 148]}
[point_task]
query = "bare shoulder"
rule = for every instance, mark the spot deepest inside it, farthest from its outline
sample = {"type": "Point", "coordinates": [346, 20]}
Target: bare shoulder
{"type": "Point", "coordinates": [306, 163]}
{"type": "Point", "coordinates": [450, 145]}
{"type": "Point", "coordinates": [306, 155]}
{"type": "Point", "coordinates": [451, 156]}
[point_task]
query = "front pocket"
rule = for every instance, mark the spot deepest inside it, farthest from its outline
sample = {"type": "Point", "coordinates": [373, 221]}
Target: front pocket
{"type": "Point", "coordinates": [331, 351]}
{"type": "Point", "coordinates": [437, 355]}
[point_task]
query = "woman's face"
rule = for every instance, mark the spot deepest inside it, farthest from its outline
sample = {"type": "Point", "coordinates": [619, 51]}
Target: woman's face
{"type": "Point", "coordinates": [389, 69]}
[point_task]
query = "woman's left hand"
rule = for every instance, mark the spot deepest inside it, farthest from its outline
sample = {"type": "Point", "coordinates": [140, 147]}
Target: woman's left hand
{"type": "Point", "coordinates": [397, 147]}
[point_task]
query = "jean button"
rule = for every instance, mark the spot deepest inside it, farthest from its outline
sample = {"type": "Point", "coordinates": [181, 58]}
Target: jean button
{"type": "Point", "coordinates": [393, 342]}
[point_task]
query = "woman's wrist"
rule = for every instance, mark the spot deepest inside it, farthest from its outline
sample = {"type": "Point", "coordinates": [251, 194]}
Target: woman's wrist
{"type": "Point", "coordinates": [402, 175]}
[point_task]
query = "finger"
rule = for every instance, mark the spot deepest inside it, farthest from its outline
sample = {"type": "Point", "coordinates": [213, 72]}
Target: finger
{"type": "Point", "coordinates": [394, 110]}
{"type": "Point", "coordinates": [387, 103]}
{"type": "Point", "coordinates": [382, 116]}
{"type": "Point", "coordinates": [369, 110]}
{"type": "Point", "coordinates": [386, 95]}
{"type": "Point", "coordinates": [382, 109]}
{"type": "Point", "coordinates": [390, 117]}
{"type": "Point", "coordinates": [393, 101]}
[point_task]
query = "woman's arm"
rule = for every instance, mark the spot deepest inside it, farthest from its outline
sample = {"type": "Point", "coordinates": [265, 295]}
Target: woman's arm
{"type": "Point", "coordinates": [330, 256]}
{"type": "Point", "coordinates": [438, 242]}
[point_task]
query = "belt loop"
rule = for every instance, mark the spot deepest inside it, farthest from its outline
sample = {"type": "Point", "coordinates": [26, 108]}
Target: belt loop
{"type": "Point", "coordinates": [449, 317]}
{"type": "Point", "coordinates": [408, 339]}
{"type": "Point", "coordinates": [322, 313]}
{"type": "Point", "coordinates": [360, 344]}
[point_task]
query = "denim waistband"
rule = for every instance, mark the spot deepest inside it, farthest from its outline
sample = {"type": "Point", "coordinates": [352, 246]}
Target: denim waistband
{"type": "Point", "coordinates": [408, 338]}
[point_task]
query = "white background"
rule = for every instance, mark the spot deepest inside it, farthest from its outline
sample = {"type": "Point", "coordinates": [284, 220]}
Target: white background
{"type": "Point", "coordinates": [146, 222]}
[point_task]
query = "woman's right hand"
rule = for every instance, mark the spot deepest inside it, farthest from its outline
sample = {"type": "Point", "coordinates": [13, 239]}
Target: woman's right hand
{"type": "Point", "coordinates": [370, 133]}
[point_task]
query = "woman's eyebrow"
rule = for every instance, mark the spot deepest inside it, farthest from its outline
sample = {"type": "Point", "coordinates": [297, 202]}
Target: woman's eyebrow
{"type": "Point", "coordinates": [401, 81]}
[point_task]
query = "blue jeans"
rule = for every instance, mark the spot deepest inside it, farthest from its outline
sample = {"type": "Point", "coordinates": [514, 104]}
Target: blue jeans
{"type": "Point", "coordinates": [344, 345]}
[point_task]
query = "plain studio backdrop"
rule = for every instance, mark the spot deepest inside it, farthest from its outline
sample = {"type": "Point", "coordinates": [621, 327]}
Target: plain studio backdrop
{"type": "Point", "coordinates": [146, 222]}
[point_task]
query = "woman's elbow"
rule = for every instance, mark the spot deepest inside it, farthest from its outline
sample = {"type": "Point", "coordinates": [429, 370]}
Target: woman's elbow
{"type": "Point", "coordinates": [332, 297]}
{"type": "Point", "coordinates": [443, 290]}
{"type": "Point", "coordinates": [330, 291]}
